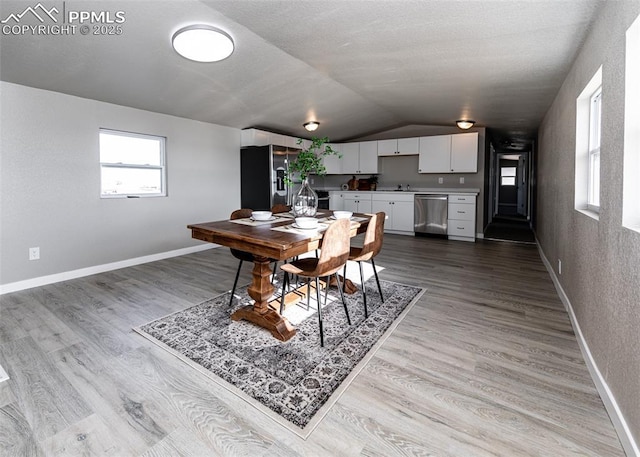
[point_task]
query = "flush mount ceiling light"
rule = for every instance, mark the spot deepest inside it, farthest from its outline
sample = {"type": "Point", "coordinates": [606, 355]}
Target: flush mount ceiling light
{"type": "Point", "coordinates": [202, 43]}
{"type": "Point", "coordinates": [311, 126]}
{"type": "Point", "coordinates": [465, 124]}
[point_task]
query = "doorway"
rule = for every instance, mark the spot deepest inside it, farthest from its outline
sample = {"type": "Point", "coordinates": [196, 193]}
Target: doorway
{"type": "Point", "coordinates": [510, 206]}
{"type": "Point", "coordinates": [512, 186]}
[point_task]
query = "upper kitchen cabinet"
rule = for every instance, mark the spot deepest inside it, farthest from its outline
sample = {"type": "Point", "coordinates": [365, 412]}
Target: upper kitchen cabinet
{"type": "Point", "coordinates": [360, 158]}
{"type": "Point", "coordinates": [400, 146]}
{"type": "Point", "coordinates": [256, 137]}
{"type": "Point", "coordinates": [449, 153]}
{"type": "Point", "coordinates": [333, 163]}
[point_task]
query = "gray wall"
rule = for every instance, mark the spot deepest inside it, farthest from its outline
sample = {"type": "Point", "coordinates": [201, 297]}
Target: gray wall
{"type": "Point", "coordinates": [50, 184]}
{"type": "Point", "coordinates": [600, 258]}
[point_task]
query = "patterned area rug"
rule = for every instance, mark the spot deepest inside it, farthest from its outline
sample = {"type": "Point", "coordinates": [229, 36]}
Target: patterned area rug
{"type": "Point", "coordinates": [297, 380]}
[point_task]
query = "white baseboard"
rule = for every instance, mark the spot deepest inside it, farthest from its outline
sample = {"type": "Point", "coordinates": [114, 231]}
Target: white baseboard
{"type": "Point", "coordinates": [64, 276]}
{"type": "Point", "coordinates": [619, 423]}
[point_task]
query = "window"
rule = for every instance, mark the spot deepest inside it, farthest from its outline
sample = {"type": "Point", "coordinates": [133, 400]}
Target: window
{"type": "Point", "coordinates": [593, 186]}
{"type": "Point", "coordinates": [588, 133]}
{"type": "Point", "coordinates": [631, 180]}
{"type": "Point", "coordinates": [508, 176]}
{"type": "Point", "coordinates": [132, 164]}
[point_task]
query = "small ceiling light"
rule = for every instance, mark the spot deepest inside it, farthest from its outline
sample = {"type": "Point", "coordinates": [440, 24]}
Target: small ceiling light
{"type": "Point", "coordinates": [202, 43]}
{"type": "Point", "coordinates": [311, 126]}
{"type": "Point", "coordinates": [465, 124]}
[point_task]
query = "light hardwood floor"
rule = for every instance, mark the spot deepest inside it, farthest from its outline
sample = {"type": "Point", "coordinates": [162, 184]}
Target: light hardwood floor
{"type": "Point", "coordinates": [485, 364]}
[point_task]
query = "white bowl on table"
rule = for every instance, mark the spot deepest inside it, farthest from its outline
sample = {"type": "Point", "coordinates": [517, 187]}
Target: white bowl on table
{"type": "Point", "coordinates": [261, 215]}
{"type": "Point", "coordinates": [307, 222]}
{"type": "Point", "coordinates": [342, 214]}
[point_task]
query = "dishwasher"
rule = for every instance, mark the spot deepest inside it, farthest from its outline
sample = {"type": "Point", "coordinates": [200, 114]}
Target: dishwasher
{"type": "Point", "coordinates": [430, 214]}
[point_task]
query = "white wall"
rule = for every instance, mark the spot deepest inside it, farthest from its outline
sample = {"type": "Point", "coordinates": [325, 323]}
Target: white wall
{"type": "Point", "coordinates": [50, 184]}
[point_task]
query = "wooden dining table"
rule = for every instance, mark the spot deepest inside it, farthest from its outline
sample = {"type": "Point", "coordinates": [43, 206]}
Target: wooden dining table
{"type": "Point", "coordinates": [268, 241]}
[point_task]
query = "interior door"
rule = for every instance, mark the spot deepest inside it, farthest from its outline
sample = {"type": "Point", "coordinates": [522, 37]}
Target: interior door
{"type": "Point", "coordinates": [522, 185]}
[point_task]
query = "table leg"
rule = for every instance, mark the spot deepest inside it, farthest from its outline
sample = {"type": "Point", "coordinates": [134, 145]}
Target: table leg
{"type": "Point", "coordinates": [348, 286]}
{"type": "Point", "coordinates": [260, 313]}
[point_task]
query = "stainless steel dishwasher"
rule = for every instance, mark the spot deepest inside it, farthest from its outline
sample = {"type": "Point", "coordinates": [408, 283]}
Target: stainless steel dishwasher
{"type": "Point", "coordinates": [430, 214]}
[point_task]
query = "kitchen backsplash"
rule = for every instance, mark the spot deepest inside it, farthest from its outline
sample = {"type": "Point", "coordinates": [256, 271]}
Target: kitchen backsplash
{"type": "Point", "coordinates": [404, 170]}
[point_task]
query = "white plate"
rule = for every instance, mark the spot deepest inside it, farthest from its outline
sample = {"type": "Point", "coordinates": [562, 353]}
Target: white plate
{"type": "Point", "coordinates": [272, 218]}
{"type": "Point", "coordinates": [335, 218]}
{"type": "Point", "coordinates": [294, 225]}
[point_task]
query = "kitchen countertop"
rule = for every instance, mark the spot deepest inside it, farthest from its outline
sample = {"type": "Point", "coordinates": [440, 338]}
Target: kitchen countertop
{"type": "Point", "coordinates": [418, 190]}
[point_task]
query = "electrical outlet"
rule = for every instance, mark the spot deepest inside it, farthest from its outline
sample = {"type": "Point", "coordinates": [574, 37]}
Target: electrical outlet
{"type": "Point", "coordinates": [559, 266]}
{"type": "Point", "coordinates": [440, 180]}
{"type": "Point", "coordinates": [462, 180]}
{"type": "Point", "coordinates": [34, 253]}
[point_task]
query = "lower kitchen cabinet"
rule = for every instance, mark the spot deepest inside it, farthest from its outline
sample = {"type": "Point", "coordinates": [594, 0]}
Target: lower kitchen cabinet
{"type": "Point", "coordinates": [399, 210]}
{"type": "Point", "coordinates": [336, 201]}
{"type": "Point", "coordinates": [461, 223]}
{"type": "Point", "coordinates": [357, 202]}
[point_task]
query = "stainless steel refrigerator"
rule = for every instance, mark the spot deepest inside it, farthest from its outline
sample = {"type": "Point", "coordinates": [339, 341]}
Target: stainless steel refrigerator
{"type": "Point", "coordinates": [262, 173]}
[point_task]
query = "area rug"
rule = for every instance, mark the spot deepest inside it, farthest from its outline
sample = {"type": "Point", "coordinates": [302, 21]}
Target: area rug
{"type": "Point", "coordinates": [294, 382]}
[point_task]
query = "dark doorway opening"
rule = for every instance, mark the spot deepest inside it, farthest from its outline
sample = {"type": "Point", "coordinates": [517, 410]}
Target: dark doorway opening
{"type": "Point", "coordinates": [510, 217]}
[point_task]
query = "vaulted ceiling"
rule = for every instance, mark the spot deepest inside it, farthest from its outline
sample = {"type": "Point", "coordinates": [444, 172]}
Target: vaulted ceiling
{"type": "Point", "coordinates": [356, 66]}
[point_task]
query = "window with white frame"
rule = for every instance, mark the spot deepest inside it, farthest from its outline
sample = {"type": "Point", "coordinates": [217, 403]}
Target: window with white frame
{"type": "Point", "coordinates": [588, 134]}
{"type": "Point", "coordinates": [132, 164]}
{"type": "Point", "coordinates": [593, 186]}
{"type": "Point", "coordinates": [631, 183]}
{"type": "Point", "coordinates": [507, 176]}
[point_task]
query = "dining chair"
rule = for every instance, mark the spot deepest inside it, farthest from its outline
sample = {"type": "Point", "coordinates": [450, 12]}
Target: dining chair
{"type": "Point", "coordinates": [370, 248]}
{"type": "Point", "coordinates": [333, 256]}
{"type": "Point", "coordinates": [243, 255]}
{"type": "Point", "coordinates": [280, 208]}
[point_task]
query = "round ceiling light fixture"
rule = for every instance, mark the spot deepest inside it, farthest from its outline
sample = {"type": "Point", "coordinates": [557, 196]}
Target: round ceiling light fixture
{"type": "Point", "coordinates": [311, 126]}
{"type": "Point", "coordinates": [202, 43]}
{"type": "Point", "coordinates": [465, 124]}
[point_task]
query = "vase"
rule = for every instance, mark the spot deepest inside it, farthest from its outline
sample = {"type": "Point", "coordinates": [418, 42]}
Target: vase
{"type": "Point", "coordinates": [305, 201]}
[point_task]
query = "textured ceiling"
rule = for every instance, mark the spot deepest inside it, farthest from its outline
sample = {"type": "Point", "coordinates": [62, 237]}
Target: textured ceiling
{"type": "Point", "coordinates": [358, 67]}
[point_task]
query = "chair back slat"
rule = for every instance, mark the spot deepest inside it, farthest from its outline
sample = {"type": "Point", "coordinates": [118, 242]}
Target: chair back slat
{"type": "Point", "coordinates": [335, 248]}
{"type": "Point", "coordinates": [280, 208]}
{"type": "Point", "coordinates": [241, 214]}
{"type": "Point", "coordinates": [373, 237]}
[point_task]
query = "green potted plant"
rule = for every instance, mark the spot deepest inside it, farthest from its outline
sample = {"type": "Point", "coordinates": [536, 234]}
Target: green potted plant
{"type": "Point", "coordinates": [309, 161]}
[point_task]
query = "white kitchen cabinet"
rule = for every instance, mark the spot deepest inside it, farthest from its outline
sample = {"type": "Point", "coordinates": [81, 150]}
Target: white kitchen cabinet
{"type": "Point", "coordinates": [256, 137]}
{"type": "Point", "coordinates": [449, 153]}
{"type": "Point", "coordinates": [398, 207]}
{"type": "Point", "coordinates": [400, 146]}
{"type": "Point", "coordinates": [360, 158]}
{"type": "Point", "coordinates": [350, 158]}
{"type": "Point", "coordinates": [464, 153]}
{"type": "Point", "coordinates": [461, 223]}
{"type": "Point", "coordinates": [357, 202]}
{"type": "Point", "coordinates": [333, 163]}
{"type": "Point", "coordinates": [435, 154]}
{"type": "Point", "coordinates": [336, 201]}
